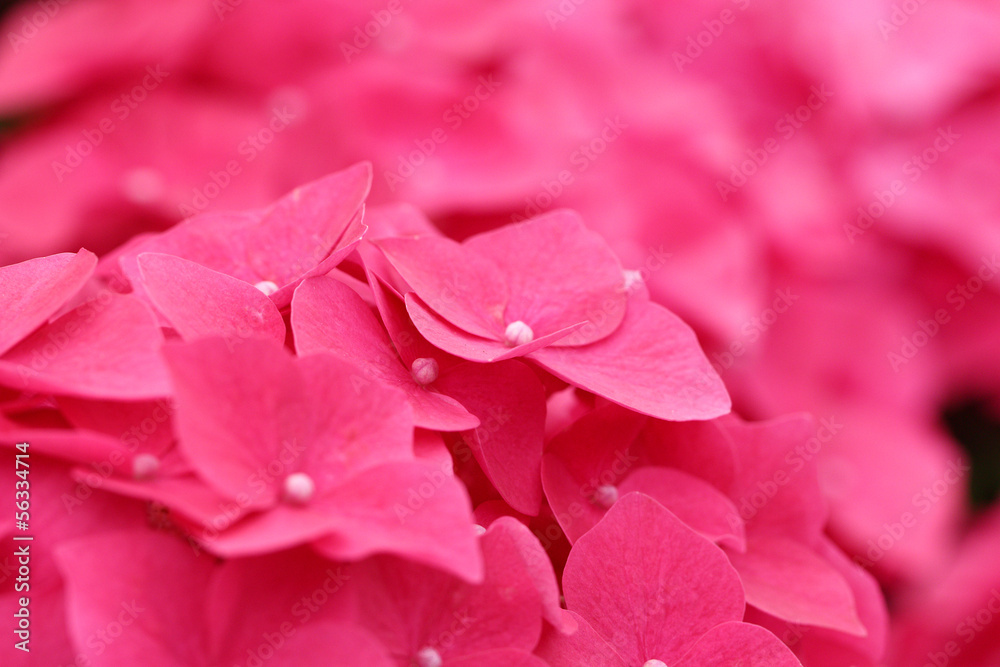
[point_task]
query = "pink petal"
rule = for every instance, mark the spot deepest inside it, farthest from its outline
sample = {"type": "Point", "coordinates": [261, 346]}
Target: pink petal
{"type": "Point", "coordinates": [412, 509]}
{"type": "Point", "coordinates": [695, 502]}
{"type": "Point", "coordinates": [468, 346]}
{"type": "Point", "coordinates": [464, 288]}
{"type": "Point", "coordinates": [652, 364]}
{"type": "Point", "coordinates": [200, 302]}
{"type": "Point", "coordinates": [777, 491]}
{"type": "Point", "coordinates": [509, 401]}
{"type": "Point", "coordinates": [559, 274]}
{"type": "Point", "coordinates": [151, 579]}
{"type": "Point", "coordinates": [243, 408]}
{"type": "Point", "coordinates": [32, 291]}
{"type": "Point", "coordinates": [328, 316]}
{"type": "Point", "coordinates": [398, 219]}
{"type": "Point", "coordinates": [105, 348]}
{"type": "Point", "coordinates": [787, 579]}
{"type": "Point", "coordinates": [583, 647]}
{"type": "Point", "coordinates": [701, 448]}
{"type": "Point", "coordinates": [501, 657]}
{"type": "Point", "coordinates": [408, 341]}
{"type": "Point", "coordinates": [350, 239]}
{"type": "Point", "coordinates": [596, 450]}
{"type": "Point", "coordinates": [539, 567]}
{"type": "Point", "coordinates": [410, 607]}
{"type": "Point", "coordinates": [280, 527]}
{"type": "Point", "coordinates": [76, 445]}
{"type": "Point", "coordinates": [734, 643]}
{"type": "Point", "coordinates": [649, 584]}
{"type": "Point", "coordinates": [302, 228]}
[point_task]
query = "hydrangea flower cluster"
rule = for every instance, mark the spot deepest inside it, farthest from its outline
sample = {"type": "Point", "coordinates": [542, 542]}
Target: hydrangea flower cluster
{"type": "Point", "coordinates": [316, 434]}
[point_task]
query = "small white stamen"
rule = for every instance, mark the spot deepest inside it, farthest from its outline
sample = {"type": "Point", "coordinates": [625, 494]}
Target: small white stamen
{"type": "Point", "coordinates": [299, 488]}
{"type": "Point", "coordinates": [145, 466]}
{"type": "Point", "coordinates": [518, 333]}
{"type": "Point", "coordinates": [633, 279]}
{"type": "Point", "coordinates": [424, 370]}
{"type": "Point", "coordinates": [654, 663]}
{"type": "Point", "coordinates": [479, 529]}
{"type": "Point", "coordinates": [606, 495]}
{"type": "Point", "coordinates": [267, 287]}
{"type": "Point", "coordinates": [429, 657]}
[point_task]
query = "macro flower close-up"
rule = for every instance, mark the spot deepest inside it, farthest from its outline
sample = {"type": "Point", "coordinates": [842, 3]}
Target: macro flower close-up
{"type": "Point", "coordinates": [566, 333]}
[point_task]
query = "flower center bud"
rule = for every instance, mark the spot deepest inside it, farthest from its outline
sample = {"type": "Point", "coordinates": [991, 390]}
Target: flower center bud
{"type": "Point", "coordinates": [654, 663]}
{"type": "Point", "coordinates": [429, 657]}
{"type": "Point", "coordinates": [267, 287]}
{"type": "Point", "coordinates": [299, 488]}
{"type": "Point", "coordinates": [518, 333]}
{"type": "Point", "coordinates": [606, 495]}
{"type": "Point", "coordinates": [424, 370]}
{"type": "Point", "coordinates": [145, 466]}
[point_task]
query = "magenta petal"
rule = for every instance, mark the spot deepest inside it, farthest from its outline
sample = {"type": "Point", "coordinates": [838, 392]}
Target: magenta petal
{"type": "Point", "coordinates": [701, 448]}
{"type": "Point", "coordinates": [352, 236]}
{"type": "Point", "coordinates": [777, 490]}
{"type": "Point", "coordinates": [501, 657]}
{"type": "Point", "coordinates": [539, 567]}
{"type": "Point", "coordinates": [242, 408]}
{"type": "Point", "coordinates": [200, 302]}
{"type": "Point", "coordinates": [328, 316]}
{"type": "Point", "coordinates": [277, 528]}
{"type": "Point", "coordinates": [105, 348]}
{"type": "Point", "coordinates": [649, 584]}
{"type": "Point", "coordinates": [583, 647]}
{"type": "Point", "coordinates": [410, 607]}
{"type": "Point", "coordinates": [77, 445]}
{"type": "Point", "coordinates": [411, 509]}
{"type": "Point", "coordinates": [652, 364]}
{"type": "Point", "coordinates": [322, 644]}
{"type": "Point", "coordinates": [787, 579]}
{"type": "Point", "coordinates": [152, 579]}
{"type": "Point", "coordinates": [695, 502]}
{"type": "Point", "coordinates": [559, 274]}
{"type": "Point", "coordinates": [467, 290]}
{"type": "Point", "coordinates": [468, 346]}
{"type": "Point", "coordinates": [32, 291]}
{"type": "Point", "coordinates": [734, 643]}
{"type": "Point", "coordinates": [509, 401]}
{"type": "Point", "coordinates": [595, 450]}
{"type": "Point", "coordinates": [408, 341]}
{"type": "Point", "coordinates": [301, 229]}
